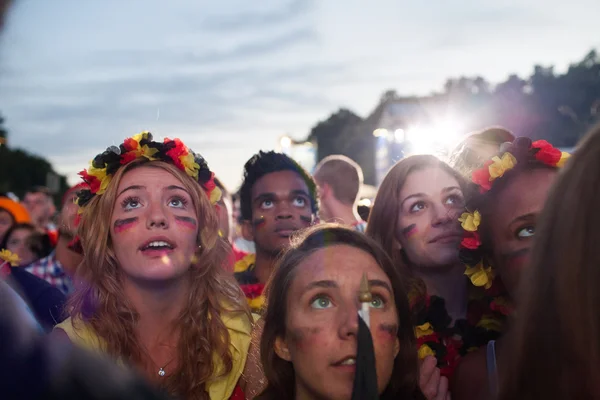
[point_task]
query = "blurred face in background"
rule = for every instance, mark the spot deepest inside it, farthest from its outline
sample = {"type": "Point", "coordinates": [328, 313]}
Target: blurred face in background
{"type": "Point", "coordinates": [6, 221]}
{"type": "Point", "coordinates": [40, 208]}
{"type": "Point", "coordinates": [66, 219]}
{"type": "Point", "coordinates": [19, 243]}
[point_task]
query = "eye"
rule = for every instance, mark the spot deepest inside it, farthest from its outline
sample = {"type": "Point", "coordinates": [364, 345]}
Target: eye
{"type": "Point", "coordinates": [131, 203]}
{"type": "Point", "coordinates": [265, 205]}
{"type": "Point", "coordinates": [178, 202]}
{"type": "Point", "coordinates": [418, 206]}
{"type": "Point", "coordinates": [299, 202]}
{"type": "Point", "coordinates": [377, 302]}
{"type": "Point", "coordinates": [526, 232]}
{"type": "Point", "coordinates": [455, 200]}
{"type": "Point", "coordinates": [321, 302]}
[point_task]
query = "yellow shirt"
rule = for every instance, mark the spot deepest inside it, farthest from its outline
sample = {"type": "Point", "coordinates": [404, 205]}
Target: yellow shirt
{"type": "Point", "coordinates": [220, 388]}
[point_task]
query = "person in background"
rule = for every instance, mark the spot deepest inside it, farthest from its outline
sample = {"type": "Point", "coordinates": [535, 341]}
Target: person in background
{"type": "Point", "coordinates": [499, 232]}
{"type": "Point", "coordinates": [226, 223]}
{"type": "Point", "coordinates": [245, 246]}
{"type": "Point", "coordinates": [339, 180]}
{"type": "Point", "coordinates": [478, 147]}
{"type": "Point", "coordinates": [59, 267]}
{"type": "Point", "coordinates": [11, 213]}
{"type": "Point", "coordinates": [277, 198]}
{"type": "Point", "coordinates": [40, 205]}
{"type": "Point", "coordinates": [555, 342]}
{"type": "Point", "coordinates": [26, 241]}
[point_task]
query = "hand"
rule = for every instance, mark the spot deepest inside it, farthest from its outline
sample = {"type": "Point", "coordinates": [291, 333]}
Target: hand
{"type": "Point", "coordinates": [432, 384]}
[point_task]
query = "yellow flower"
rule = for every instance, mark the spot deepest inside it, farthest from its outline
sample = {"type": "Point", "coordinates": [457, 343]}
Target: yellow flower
{"type": "Point", "coordinates": [470, 222]}
{"type": "Point", "coordinates": [100, 173]}
{"type": "Point", "coordinates": [7, 256]}
{"type": "Point", "coordinates": [257, 302]}
{"type": "Point", "coordinates": [423, 330]}
{"type": "Point", "coordinates": [191, 166]}
{"type": "Point", "coordinates": [564, 156]}
{"type": "Point", "coordinates": [501, 165]}
{"type": "Point", "coordinates": [245, 263]}
{"type": "Point", "coordinates": [147, 152]}
{"type": "Point", "coordinates": [480, 276]}
{"type": "Point", "coordinates": [142, 135]}
{"type": "Point", "coordinates": [425, 351]}
{"type": "Point", "coordinates": [491, 324]}
{"type": "Point", "coordinates": [215, 195]}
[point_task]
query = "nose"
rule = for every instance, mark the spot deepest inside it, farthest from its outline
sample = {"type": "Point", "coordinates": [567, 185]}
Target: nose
{"type": "Point", "coordinates": [156, 217]}
{"type": "Point", "coordinates": [284, 211]}
{"type": "Point", "coordinates": [442, 215]}
{"type": "Point", "coordinates": [348, 322]}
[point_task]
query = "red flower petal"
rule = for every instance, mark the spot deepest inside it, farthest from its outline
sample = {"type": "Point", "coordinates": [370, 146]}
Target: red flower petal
{"type": "Point", "coordinates": [90, 180]}
{"type": "Point", "coordinates": [128, 157]}
{"type": "Point", "coordinates": [130, 144]}
{"type": "Point", "coordinates": [471, 241]}
{"type": "Point", "coordinates": [547, 153]}
{"type": "Point", "coordinates": [481, 176]}
{"type": "Point", "coordinates": [253, 290]}
{"type": "Point", "coordinates": [210, 184]}
{"type": "Point", "coordinates": [176, 152]}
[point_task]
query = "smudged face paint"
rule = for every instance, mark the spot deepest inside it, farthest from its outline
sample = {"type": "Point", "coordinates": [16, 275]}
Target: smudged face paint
{"type": "Point", "coordinates": [322, 320]}
{"type": "Point", "coordinates": [387, 331]}
{"type": "Point", "coordinates": [281, 205]}
{"type": "Point", "coordinates": [122, 225]}
{"type": "Point", "coordinates": [186, 222]}
{"type": "Point", "coordinates": [513, 218]}
{"type": "Point", "coordinates": [153, 226]}
{"type": "Point", "coordinates": [429, 205]}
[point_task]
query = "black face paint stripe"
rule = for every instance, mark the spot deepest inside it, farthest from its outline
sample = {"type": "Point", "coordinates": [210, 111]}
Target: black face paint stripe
{"type": "Point", "coordinates": [258, 221]}
{"type": "Point", "coordinates": [186, 219]}
{"type": "Point", "coordinates": [409, 228]}
{"type": "Point", "coordinates": [125, 221]}
{"type": "Point", "coordinates": [306, 219]}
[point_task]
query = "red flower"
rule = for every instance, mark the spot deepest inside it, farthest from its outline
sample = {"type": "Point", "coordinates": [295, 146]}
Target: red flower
{"type": "Point", "coordinates": [471, 241]}
{"type": "Point", "coordinates": [128, 157]}
{"type": "Point", "coordinates": [130, 144]}
{"type": "Point", "coordinates": [252, 291]}
{"type": "Point", "coordinates": [176, 152]}
{"type": "Point", "coordinates": [547, 153]}
{"type": "Point", "coordinates": [501, 307]}
{"type": "Point", "coordinates": [481, 177]}
{"type": "Point", "coordinates": [210, 184]}
{"type": "Point", "coordinates": [77, 220]}
{"type": "Point", "coordinates": [434, 337]}
{"type": "Point", "coordinates": [91, 180]}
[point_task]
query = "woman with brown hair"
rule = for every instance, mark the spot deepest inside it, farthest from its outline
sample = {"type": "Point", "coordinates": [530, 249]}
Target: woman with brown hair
{"type": "Point", "coordinates": [499, 232]}
{"type": "Point", "coordinates": [309, 341]}
{"type": "Point", "coordinates": [151, 289]}
{"type": "Point", "coordinates": [555, 343]}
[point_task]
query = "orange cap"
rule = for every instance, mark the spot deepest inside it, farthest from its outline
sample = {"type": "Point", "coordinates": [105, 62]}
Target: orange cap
{"type": "Point", "coordinates": [17, 210]}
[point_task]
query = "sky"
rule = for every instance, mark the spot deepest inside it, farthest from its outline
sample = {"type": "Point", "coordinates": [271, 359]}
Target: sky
{"type": "Point", "coordinates": [231, 77]}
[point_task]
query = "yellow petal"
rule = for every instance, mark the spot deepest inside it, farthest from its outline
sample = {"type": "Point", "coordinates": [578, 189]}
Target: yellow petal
{"type": "Point", "coordinates": [148, 152]}
{"type": "Point", "coordinates": [245, 263]}
{"type": "Point", "coordinates": [470, 222]}
{"type": "Point", "coordinates": [190, 164]}
{"type": "Point", "coordinates": [9, 257]}
{"type": "Point", "coordinates": [480, 276]}
{"type": "Point", "coordinates": [425, 351]}
{"type": "Point", "coordinates": [257, 302]}
{"type": "Point", "coordinates": [215, 195]}
{"type": "Point", "coordinates": [423, 330]}
{"type": "Point", "coordinates": [500, 165]}
{"type": "Point", "coordinates": [564, 156]}
{"type": "Point", "coordinates": [490, 324]}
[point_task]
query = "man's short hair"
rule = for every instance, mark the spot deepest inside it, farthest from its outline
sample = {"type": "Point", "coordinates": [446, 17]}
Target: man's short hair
{"type": "Point", "coordinates": [343, 175]}
{"type": "Point", "coordinates": [40, 189]}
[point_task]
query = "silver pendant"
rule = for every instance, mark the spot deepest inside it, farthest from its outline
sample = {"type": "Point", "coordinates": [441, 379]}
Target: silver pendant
{"type": "Point", "coordinates": [161, 372]}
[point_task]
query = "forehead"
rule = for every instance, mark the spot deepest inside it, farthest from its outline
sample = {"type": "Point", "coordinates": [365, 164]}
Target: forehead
{"type": "Point", "coordinates": [35, 195]}
{"type": "Point", "coordinates": [150, 177]}
{"type": "Point", "coordinates": [429, 180]}
{"type": "Point", "coordinates": [280, 182]}
{"type": "Point", "coordinates": [340, 263]}
{"type": "Point", "coordinates": [526, 193]}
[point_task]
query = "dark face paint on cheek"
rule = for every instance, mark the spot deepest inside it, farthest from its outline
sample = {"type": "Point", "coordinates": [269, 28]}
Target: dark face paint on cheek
{"type": "Point", "coordinates": [259, 222]}
{"type": "Point", "coordinates": [409, 230]}
{"type": "Point", "coordinates": [306, 220]}
{"type": "Point", "coordinates": [187, 222]}
{"type": "Point", "coordinates": [303, 337]}
{"type": "Point", "coordinates": [388, 331]}
{"type": "Point", "coordinates": [121, 225]}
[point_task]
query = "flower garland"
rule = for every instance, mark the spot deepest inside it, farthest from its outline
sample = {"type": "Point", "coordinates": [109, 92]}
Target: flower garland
{"type": "Point", "coordinates": [252, 291]}
{"type": "Point", "coordinates": [103, 167]}
{"type": "Point", "coordinates": [9, 259]}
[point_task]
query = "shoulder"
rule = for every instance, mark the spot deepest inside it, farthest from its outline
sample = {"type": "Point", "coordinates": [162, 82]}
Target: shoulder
{"type": "Point", "coordinates": [470, 377]}
{"type": "Point", "coordinates": [80, 333]}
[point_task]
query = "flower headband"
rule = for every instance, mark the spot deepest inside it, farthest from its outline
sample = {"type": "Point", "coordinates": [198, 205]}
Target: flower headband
{"type": "Point", "coordinates": [522, 150]}
{"type": "Point", "coordinates": [104, 165]}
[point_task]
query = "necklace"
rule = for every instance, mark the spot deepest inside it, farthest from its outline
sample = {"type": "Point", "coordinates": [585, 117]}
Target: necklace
{"type": "Point", "coordinates": [161, 370]}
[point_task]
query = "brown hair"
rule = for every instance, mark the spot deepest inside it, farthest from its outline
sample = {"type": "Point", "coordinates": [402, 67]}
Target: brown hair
{"type": "Point", "coordinates": [558, 325]}
{"type": "Point", "coordinates": [382, 218]}
{"type": "Point", "coordinates": [100, 302]}
{"type": "Point", "coordinates": [343, 175]}
{"type": "Point", "coordinates": [280, 373]}
{"type": "Point", "coordinates": [465, 160]}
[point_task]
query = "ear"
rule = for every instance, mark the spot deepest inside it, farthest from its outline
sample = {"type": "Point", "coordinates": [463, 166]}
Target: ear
{"type": "Point", "coordinates": [282, 350]}
{"type": "Point", "coordinates": [248, 230]}
{"type": "Point", "coordinates": [324, 191]}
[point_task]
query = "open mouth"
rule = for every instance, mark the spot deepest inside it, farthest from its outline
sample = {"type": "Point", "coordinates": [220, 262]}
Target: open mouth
{"type": "Point", "coordinates": [157, 245]}
{"type": "Point", "coordinates": [347, 361]}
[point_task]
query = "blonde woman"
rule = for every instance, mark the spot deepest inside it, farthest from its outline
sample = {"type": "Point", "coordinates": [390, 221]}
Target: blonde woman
{"type": "Point", "coordinates": [151, 289]}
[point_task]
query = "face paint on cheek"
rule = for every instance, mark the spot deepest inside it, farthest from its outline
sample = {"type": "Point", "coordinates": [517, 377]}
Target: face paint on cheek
{"type": "Point", "coordinates": [186, 222]}
{"type": "Point", "coordinates": [259, 222]}
{"type": "Point", "coordinates": [122, 225]}
{"type": "Point", "coordinates": [387, 331]}
{"type": "Point", "coordinates": [410, 230]}
{"type": "Point", "coordinates": [304, 338]}
{"type": "Point", "coordinates": [306, 220]}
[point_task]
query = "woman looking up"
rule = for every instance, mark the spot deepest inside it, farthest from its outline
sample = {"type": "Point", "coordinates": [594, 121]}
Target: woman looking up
{"type": "Point", "coordinates": [152, 292]}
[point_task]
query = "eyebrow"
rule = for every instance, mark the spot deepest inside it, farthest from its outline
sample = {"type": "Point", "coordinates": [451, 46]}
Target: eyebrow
{"type": "Point", "coordinates": [450, 188]}
{"type": "Point", "coordinates": [410, 197]}
{"type": "Point", "coordinates": [132, 187]}
{"type": "Point", "coordinates": [444, 190]}
{"type": "Point", "coordinates": [520, 218]}
{"type": "Point", "coordinates": [380, 283]}
{"type": "Point", "coordinates": [271, 195]}
{"type": "Point", "coordinates": [175, 187]}
{"type": "Point", "coordinates": [328, 284]}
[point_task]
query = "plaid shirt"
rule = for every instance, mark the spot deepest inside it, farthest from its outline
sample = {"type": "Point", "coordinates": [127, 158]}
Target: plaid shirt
{"type": "Point", "coordinates": [51, 270]}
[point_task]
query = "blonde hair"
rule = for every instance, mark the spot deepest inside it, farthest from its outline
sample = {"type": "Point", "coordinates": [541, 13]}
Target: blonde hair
{"type": "Point", "coordinates": [343, 175]}
{"type": "Point", "coordinates": [101, 304]}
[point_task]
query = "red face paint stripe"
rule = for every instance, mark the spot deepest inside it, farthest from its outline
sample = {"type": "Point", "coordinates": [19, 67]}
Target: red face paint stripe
{"type": "Point", "coordinates": [122, 225]}
{"type": "Point", "coordinates": [409, 230]}
{"type": "Point", "coordinates": [187, 222]}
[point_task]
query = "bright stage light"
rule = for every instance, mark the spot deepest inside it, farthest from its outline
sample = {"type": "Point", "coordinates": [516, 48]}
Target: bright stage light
{"type": "Point", "coordinates": [431, 139]}
{"type": "Point", "coordinates": [380, 132]}
{"type": "Point", "coordinates": [285, 142]}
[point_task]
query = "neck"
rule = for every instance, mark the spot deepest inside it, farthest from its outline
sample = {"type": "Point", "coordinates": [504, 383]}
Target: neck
{"type": "Point", "coordinates": [263, 265]}
{"type": "Point", "coordinates": [67, 258]}
{"type": "Point", "coordinates": [158, 306]}
{"type": "Point", "coordinates": [343, 213]}
{"type": "Point", "coordinates": [448, 283]}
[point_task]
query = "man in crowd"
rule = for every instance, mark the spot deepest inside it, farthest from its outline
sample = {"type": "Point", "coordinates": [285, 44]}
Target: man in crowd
{"type": "Point", "coordinates": [277, 198]}
{"type": "Point", "coordinates": [339, 180]}
{"type": "Point", "coordinates": [58, 268]}
{"type": "Point", "coordinates": [40, 205]}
